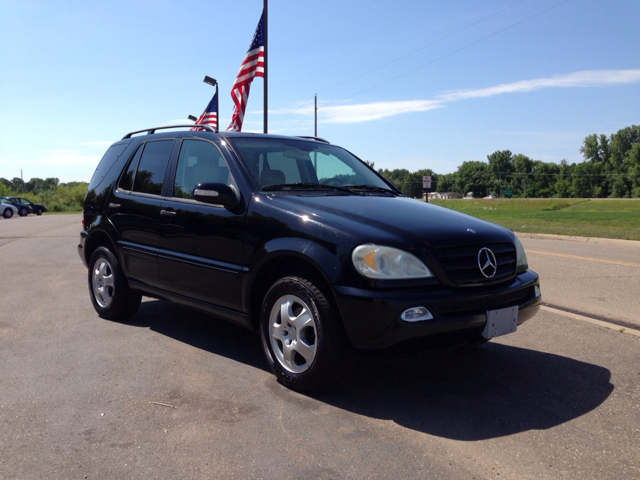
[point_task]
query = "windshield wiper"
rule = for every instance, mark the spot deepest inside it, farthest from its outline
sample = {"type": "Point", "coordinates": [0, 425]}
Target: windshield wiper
{"type": "Point", "coordinates": [309, 186]}
{"type": "Point", "coordinates": [372, 188]}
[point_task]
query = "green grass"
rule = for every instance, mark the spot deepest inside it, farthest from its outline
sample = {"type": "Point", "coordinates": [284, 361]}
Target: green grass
{"type": "Point", "coordinates": [579, 217]}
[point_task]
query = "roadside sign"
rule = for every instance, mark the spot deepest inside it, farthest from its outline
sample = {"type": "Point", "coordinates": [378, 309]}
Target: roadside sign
{"type": "Point", "coordinates": [426, 181]}
{"type": "Point", "coordinates": [507, 192]}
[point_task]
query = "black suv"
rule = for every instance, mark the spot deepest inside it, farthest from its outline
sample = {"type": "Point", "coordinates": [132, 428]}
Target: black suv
{"type": "Point", "coordinates": [297, 239]}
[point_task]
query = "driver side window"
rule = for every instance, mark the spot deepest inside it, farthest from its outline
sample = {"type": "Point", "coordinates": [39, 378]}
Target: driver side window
{"type": "Point", "coordinates": [199, 162]}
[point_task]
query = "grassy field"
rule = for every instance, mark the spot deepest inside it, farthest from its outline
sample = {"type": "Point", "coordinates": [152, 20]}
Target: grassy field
{"type": "Point", "coordinates": [581, 217]}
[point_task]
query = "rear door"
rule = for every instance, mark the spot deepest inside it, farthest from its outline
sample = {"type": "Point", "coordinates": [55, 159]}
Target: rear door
{"type": "Point", "coordinates": [135, 210]}
{"type": "Point", "coordinates": [201, 244]}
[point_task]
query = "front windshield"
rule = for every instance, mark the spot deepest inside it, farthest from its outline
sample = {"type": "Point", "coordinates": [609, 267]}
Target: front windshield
{"type": "Point", "coordinates": [274, 161]}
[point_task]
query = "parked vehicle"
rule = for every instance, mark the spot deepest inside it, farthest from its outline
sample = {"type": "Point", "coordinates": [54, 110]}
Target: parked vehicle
{"type": "Point", "coordinates": [300, 241]}
{"type": "Point", "coordinates": [6, 208]}
{"type": "Point", "coordinates": [26, 207]}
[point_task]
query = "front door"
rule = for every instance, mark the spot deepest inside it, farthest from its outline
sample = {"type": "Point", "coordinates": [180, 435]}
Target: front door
{"type": "Point", "coordinates": [201, 246]}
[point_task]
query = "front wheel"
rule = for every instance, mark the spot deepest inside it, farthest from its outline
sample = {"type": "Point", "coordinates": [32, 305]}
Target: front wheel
{"type": "Point", "coordinates": [302, 337]}
{"type": "Point", "coordinates": [110, 294]}
{"type": "Point", "coordinates": [39, 211]}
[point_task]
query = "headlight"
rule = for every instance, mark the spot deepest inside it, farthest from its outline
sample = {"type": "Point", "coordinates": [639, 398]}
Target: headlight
{"type": "Point", "coordinates": [521, 257]}
{"type": "Point", "coordinates": [374, 261]}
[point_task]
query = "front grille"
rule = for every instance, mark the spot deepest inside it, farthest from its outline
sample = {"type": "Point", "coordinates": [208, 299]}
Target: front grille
{"type": "Point", "coordinates": [460, 263]}
{"type": "Point", "coordinates": [480, 305]}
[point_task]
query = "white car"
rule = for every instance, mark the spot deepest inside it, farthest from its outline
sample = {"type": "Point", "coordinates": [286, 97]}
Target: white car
{"type": "Point", "coordinates": [7, 209]}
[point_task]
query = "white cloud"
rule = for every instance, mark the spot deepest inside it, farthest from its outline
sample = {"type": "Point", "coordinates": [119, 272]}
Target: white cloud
{"type": "Point", "coordinates": [375, 111]}
{"type": "Point", "coordinates": [587, 78]}
{"type": "Point", "coordinates": [378, 110]}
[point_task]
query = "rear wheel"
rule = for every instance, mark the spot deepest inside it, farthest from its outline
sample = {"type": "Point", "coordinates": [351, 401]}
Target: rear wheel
{"type": "Point", "coordinates": [8, 213]}
{"type": "Point", "coordinates": [23, 212]}
{"type": "Point", "coordinates": [302, 337]}
{"type": "Point", "coordinates": [110, 294]}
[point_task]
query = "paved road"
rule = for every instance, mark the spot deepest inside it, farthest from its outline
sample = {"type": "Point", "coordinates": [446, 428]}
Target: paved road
{"type": "Point", "coordinates": [172, 394]}
{"type": "Point", "coordinates": [598, 277]}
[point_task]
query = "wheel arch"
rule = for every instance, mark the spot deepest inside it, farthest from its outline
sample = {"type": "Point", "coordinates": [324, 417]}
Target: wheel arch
{"type": "Point", "coordinates": [288, 262]}
{"type": "Point", "coordinates": [98, 238]}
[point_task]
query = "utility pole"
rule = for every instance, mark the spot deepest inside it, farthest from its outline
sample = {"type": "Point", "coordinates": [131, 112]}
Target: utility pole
{"type": "Point", "coordinates": [315, 116]}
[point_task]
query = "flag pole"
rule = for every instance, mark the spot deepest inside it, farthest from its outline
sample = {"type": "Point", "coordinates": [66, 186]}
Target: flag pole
{"type": "Point", "coordinates": [266, 50]}
{"type": "Point", "coordinates": [217, 109]}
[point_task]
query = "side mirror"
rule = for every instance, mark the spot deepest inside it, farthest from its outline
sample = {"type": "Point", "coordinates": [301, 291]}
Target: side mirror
{"type": "Point", "coordinates": [216, 194]}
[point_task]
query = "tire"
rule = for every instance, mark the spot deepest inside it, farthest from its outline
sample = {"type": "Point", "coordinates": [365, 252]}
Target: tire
{"type": "Point", "coordinates": [23, 212]}
{"type": "Point", "coordinates": [38, 211]}
{"type": "Point", "coordinates": [110, 293]}
{"type": "Point", "coordinates": [302, 337]}
{"type": "Point", "coordinates": [8, 213]}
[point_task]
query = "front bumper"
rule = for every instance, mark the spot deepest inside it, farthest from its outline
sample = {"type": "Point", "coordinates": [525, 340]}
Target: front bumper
{"type": "Point", "coordinates": [372, 317]}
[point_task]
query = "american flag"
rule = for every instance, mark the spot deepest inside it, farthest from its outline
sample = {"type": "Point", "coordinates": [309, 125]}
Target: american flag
{"type": "Point", "coordinates": [210, 115]}
{"type": "Point", "coordinates": [252, 66]}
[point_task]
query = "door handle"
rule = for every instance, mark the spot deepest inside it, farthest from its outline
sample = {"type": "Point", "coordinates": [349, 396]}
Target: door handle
{"type": "Point", "coordinates": [167, 213]}
{"type": "Point", "coordinates": [115, 206]}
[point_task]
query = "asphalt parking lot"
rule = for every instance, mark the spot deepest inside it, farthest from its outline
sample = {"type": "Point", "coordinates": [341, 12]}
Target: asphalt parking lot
{"type": "Point", "coordinates": [175, 394]}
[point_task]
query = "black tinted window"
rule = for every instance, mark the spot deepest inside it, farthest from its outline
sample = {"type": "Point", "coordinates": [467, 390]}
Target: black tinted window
{"type": "Point", "coordinates": [126, 182]}
{"type": "Point", "coordinates": [105, 164]}
{"type": "Point", "coordinates": [152, 167]}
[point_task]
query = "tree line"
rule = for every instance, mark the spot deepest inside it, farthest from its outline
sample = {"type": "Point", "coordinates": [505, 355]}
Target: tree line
{"type": "Point", "coordinates": [611, 169]}
{"type": "Point", "coordinates": [56, 196]}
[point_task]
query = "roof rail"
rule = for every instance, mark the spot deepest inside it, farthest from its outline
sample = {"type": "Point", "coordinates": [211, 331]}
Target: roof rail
{"type": "Point", "coordinates": [151, 131]}
{"type": "Point", "coordinates": [315, 138]}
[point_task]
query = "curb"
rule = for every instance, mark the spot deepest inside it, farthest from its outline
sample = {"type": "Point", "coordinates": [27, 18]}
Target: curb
{"type": "Point", "coordinates": [549, 236]}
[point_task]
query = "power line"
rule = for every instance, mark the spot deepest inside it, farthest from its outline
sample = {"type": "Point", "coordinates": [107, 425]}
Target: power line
{"type": "Point", "coordinates": [400, 58]}
{"type": "Point", "coordinates": [422, 48]}
{"type": "Point", "coordinates": [454, 52]}
{"type": "Point", "coordinates": [426, 64]}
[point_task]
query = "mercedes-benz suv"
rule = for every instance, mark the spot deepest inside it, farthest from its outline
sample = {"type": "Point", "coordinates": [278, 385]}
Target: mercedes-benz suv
{"type": "Point", "coordinates": [298, 240]}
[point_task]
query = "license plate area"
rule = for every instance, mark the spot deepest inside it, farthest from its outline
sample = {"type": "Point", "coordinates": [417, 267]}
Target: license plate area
{"type": "Point", "coordinates": [501, 322]}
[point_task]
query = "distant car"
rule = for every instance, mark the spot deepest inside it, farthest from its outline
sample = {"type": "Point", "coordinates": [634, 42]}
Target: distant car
{"type": "Point", "coordinates": [6, 208]}
{"type": "Point", "coordinates": [25, 207]}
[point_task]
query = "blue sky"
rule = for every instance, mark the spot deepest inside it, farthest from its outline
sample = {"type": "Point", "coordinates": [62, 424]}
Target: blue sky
{"type": "Point", "coordinates": [405, 84]}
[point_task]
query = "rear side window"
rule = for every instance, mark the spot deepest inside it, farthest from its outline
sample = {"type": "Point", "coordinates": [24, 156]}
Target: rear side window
{"type": "Point", "coordinates": [109, 158]}
{"type": "Point", "coordinates": [146, 170]}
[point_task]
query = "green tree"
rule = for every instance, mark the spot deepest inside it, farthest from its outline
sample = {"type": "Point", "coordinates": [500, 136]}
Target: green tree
{"type": "Point", "coordinates": [596, 148]}
{"type": "Point", "coordinates": [473, 176]}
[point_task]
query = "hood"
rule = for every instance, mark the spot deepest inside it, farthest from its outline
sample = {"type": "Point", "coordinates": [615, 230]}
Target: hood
{"type": "Point", "coordinates": [397, 219]}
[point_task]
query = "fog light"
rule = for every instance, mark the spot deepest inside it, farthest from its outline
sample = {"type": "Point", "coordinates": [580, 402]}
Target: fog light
{"type": "Point", "coordinates": [416, 314]}
{"type": "Point", "coordinates": [537, 291]}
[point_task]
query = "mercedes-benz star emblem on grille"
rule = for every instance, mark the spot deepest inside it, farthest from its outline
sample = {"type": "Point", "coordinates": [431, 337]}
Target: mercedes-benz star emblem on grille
{"type": "Point", "coordinates": [487, 262]}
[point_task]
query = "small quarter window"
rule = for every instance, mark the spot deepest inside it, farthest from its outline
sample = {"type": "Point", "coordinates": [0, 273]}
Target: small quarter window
{"type": "Point", "coordinates": [126, 182]}
{"type": "Point", "coordinates": [106, 163]}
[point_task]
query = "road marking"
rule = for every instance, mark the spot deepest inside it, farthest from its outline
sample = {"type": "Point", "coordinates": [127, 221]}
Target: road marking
{"type": "Point", "coordinates": [611, 326]}
{"type": "Point", "coordinates": [613, 262]}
